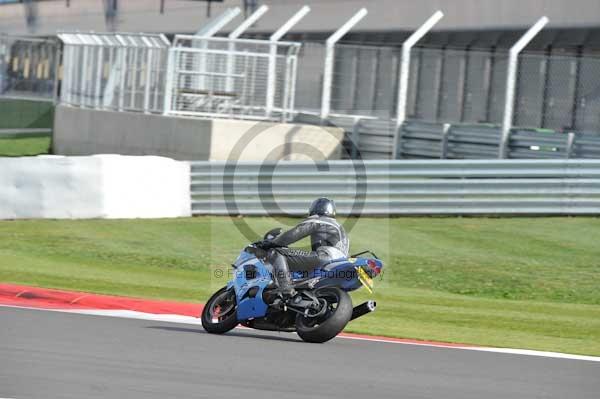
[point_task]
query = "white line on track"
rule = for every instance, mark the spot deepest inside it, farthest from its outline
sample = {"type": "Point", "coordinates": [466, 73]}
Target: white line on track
{"type": "Point", "coordinates": [171, 318]}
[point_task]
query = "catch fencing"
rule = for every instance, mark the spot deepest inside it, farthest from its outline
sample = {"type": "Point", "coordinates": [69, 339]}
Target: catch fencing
{"type": "Point", "coordinates": [555, 95]}
{"type": "Point", "coordinates": [120, 71]}
{"type": "Point", "coordinates": [560, 187]}
{"type": "Point", "coordinates": [455, 101]}
{"type": "Point", "coordinates": [445, 85]}
{"type": "Point", "coordinates": [29, 68]}
{"type": "Point", "coordinates": [235, 78]}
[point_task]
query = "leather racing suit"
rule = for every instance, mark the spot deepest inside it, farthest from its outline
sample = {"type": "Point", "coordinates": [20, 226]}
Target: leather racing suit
{"type": "Point", "coordinates": [328, 242]}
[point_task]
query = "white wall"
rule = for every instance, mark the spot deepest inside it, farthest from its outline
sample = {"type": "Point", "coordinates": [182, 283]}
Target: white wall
{"type": "Point", "coordinates": [97, 186]}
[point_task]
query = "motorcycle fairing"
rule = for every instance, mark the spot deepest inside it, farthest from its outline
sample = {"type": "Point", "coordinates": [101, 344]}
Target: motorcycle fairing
{"type": "Point", "coordinates": [252, 272]}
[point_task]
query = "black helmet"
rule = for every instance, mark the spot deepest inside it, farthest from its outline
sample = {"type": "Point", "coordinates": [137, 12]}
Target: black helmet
{"type": "Point", "coordinates": [322, 207]}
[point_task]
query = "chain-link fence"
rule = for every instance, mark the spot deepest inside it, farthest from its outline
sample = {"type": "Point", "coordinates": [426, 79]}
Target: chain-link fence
{"type": "Point", "coordinates": [468, 86]}
{"type": "Point", "coordinates": [455, 86]}
{"type": "Point", "coordinates": [310, 77]}
{"type": "Point", "coordinates": [264, 80]}
{"type": "Point", "coordinates": [122, 71]}
{"type": "Point", "coordinates": [28, 67]}
{"type": "Point", "coordinates": [558, 92]}
{"type": "Point", "coordinates": [365, 80]}
{"type": "Point", "coordinates": [462, 87]}
{"type": "Point", "coordinates": [236, 78]}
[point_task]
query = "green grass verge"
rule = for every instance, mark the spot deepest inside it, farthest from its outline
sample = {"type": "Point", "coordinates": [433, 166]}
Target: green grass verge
{"type": "Point", "coordinates": [25, 113]}
{"type": "Point", "coordinates": [522, 282]}
{"type": "Point", "coordinates": [16, 114]}
{"type": "Point", "coordinates": [24, 146]}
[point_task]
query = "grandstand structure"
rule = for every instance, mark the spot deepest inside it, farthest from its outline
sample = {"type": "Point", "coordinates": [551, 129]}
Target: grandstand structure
{"type": "Point", "coordinates": [460, 90]}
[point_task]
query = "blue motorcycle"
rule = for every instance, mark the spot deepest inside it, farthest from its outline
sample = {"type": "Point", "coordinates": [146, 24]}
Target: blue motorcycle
{"type": "Point", "coordinates": [318, 312]}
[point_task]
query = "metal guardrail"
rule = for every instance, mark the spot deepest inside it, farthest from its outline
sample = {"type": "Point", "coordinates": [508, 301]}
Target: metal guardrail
{"type": "Point", "coordinates": [428, 140]}
{"type": "Point", "coordinates": [398, 187]}
{"type": "Point", "coordinates": [431, 140]}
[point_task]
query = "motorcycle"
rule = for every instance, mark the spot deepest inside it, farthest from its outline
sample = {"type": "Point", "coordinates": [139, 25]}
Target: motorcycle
{"type": "Point", "coordinates": [318, 312]}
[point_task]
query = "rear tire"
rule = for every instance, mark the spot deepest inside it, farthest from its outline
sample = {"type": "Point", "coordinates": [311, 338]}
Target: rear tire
{"type": "Point", "coordinates": [319, 330]}
{"type": "Point", "coordinates": [219, 315]}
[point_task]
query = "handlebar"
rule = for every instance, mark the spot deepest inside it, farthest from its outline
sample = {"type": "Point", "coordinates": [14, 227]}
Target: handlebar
{"type": "Point", "coordinates": [368, 251]}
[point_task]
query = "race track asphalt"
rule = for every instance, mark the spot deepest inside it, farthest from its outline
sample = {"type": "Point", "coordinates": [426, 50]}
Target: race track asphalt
{"type": "Point", "coordinates": [61, 355]}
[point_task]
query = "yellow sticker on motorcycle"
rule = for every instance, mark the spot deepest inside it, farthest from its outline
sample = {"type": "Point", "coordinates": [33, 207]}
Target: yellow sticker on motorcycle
{"type": "Point", "coordinates": [365, 279]}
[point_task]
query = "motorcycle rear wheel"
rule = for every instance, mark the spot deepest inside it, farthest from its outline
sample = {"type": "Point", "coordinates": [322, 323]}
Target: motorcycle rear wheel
{"type": "Point", "coordinates": [219, 314]}
{"type": "Point", "coordinates": [338, 314]}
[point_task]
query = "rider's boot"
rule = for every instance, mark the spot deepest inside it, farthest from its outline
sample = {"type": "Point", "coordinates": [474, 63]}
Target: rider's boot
{"type": "Point", "coordinates": [281, 272]}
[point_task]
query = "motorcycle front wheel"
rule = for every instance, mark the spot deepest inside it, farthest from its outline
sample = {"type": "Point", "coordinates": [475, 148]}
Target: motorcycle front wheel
{"type": "Point", "coordinates": [338, 311]}
{"type": "Point", "coordinates": [219, 314]}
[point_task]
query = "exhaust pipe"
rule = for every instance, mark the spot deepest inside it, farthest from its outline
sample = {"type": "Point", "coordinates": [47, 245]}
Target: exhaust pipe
{"type": "Point", "coordinates": [363, 309]}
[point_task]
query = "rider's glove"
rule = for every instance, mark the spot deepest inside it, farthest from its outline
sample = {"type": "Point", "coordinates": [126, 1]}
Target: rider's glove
{"type": "Point", "coordinates": [266, 244]}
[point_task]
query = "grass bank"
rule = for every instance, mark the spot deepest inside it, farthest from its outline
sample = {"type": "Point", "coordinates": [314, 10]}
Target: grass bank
{"type": "Point", "coordinates": [523, 282]}
{"type": "Point", "coordinates": [24, 146]}
{"type": "Point", "coordinates": [15, 114]}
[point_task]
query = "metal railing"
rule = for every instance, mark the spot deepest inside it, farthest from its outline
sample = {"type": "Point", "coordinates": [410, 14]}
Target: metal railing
{"type": "Point", "coordinates": [374, 139]}
{"type": "Point", "coordinates": [398, 187]}
{"type": "Point", "coordinates": [234, 78]}
{"type": "Point", "coordinates": [114, 71]}
{"type": "Point", "coordinates": [463, 141]}
{"type": "Point", "coordinates": [29, 68]}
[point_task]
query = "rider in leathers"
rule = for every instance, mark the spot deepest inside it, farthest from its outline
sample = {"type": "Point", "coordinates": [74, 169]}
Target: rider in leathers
{"type": "Point", "coordinates": [328, 242]}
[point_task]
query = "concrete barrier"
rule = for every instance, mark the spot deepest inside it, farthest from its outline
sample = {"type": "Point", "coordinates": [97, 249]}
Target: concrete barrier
{"type": "Point", "coordinates": [84, 132]}
{"type": "Point", "coordinates": [99, 186]}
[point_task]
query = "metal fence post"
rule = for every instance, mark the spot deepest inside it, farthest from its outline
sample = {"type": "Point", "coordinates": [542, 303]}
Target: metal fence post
{"type": "Point", "coordinates": [286, 89]}
{"type": "Point", "coordinates": [237, 32]}
{"type": "Point", "coordinates": [405, 71]}
{"type": "Point", "coordinates": [278, 34]}
{"type": "Point", "coordinates": [444, 143]}
{"type": "Point", "coordinates": [570, 145]}
{"type": "Point", "coordinates": [133, 77]}
{"type": "Point", "coordinates": [69, 73]}
{"type": "Point", "coordinates": [147, 78]}
{"type": "Point", "coordinates": [149, 61]}
{"type": "Point", "coordinates": [169, 76]}
{"type": "Point", "coordinates": [511, 77]}
{"type": "Point", "coordinates": [3, 57]}
{"type": "Point", "coordinates": [58, 53]}
{"type": "Point", "coordinates": [293, 74]}
{"type": "Point", "coordinates": [209, 30]}
{"type": "Point", "coordinates": [329, 59]}
{"type": "Point", "coordinates": [123, 75]}
{"type": "Point", "coordinates": [99, 65]}
{"type": "Point", "coordinates": [83, 77]}
{"type": "Point", "coordinates": [355, 138]}
{"type": "Point", "coordinates": [397, 147]}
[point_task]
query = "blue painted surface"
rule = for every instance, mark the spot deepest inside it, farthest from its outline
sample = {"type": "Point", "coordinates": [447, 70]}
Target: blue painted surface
{"type": "Point", "coordinates": [249, 272]}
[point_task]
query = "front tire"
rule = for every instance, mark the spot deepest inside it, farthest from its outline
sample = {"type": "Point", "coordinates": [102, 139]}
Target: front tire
{"type": "Point", "coordinates": [219, 314]}
{"type": "Point", "coordinates": [322, 329]}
